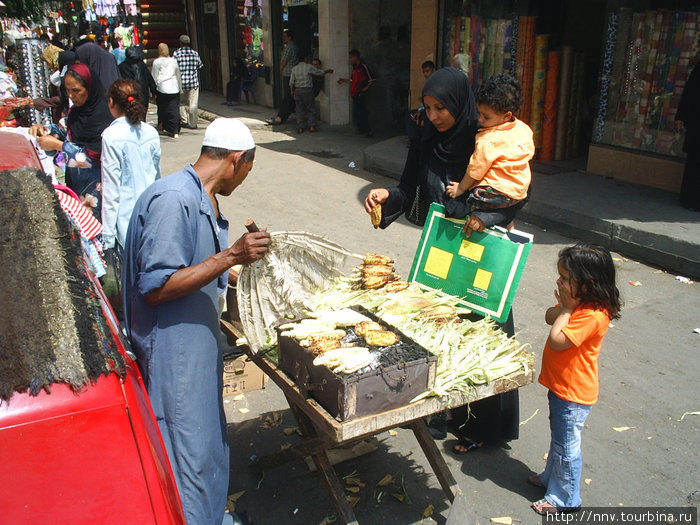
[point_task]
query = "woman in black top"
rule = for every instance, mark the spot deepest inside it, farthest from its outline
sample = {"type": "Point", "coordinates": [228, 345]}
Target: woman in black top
{"type": "Point", "coordinates": [438, 155]}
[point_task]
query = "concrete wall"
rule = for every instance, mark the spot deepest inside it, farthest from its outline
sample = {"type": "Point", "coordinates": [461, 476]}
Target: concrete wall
{"type": "Point", "coordinates": [381, 31]}
{"type": "Point", "coordinates": [333, 34]}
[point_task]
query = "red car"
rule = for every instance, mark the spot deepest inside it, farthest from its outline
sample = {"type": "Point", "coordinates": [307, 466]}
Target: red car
{"type": "Point", "coordinates": [90, 457]}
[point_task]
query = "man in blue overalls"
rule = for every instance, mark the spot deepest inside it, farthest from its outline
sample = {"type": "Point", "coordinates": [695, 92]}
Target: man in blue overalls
{"type": "Point", "coordinates": [176, 265]}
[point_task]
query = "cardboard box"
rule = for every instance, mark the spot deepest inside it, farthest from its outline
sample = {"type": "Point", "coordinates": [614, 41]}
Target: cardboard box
{"type": "Point", "coordinates": [242, 376]}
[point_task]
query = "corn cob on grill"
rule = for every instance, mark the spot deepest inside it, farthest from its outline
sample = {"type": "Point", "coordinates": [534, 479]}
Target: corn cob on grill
{"type": "Point", "coordinates": [362, 328]}
{"type": "Point", "coordinates": [441, 312]}
{"type": "Point", "coordinates": [381, 338]}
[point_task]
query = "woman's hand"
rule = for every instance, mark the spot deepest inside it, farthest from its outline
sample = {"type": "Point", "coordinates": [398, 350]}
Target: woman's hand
{"type": "Point", "coordinates": [37, 130]}
{"type": "Point", "coordinates": [374, 197]}
{"type": "Point", "coordinates": [473, 224]}
{"type": "Point", "coordinates": [49, 143]}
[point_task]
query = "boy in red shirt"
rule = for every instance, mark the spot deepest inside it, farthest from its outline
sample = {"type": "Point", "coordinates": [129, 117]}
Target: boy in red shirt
{"type": "Point", "coordinates": [361, 79]}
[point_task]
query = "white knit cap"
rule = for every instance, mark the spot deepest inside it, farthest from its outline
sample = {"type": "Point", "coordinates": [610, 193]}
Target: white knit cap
{"type": "Point", "coordinates": [230, 134]}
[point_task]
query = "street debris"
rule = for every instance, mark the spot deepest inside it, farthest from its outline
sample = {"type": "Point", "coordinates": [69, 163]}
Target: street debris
{"type": "Point", "coordinates": [386, 480]}
{"type": "Point", "coordinates": [238, 397]}
{"type": "Point", "coordinates": [587, 481]}
{"type": "Point", "coordinates": [274, 420]}
{"type": "Point", "coordinates": [352, 488]}
{"type": "Point", "coordinates": [285, 446]}
{"type": "Point", "coordinates": [244, 410]}
{"type": "Point", "coordinates": [352, 500]}
{"type": "Point", "coordinates": [696, 331]}
{"type": "Point", "coordinates": [288, 431]}
{"type": "Point", "coordinates": [505, 520]}
{"type": "Point", "coordinates": [530, 418]}
{"type": "Point", "coordinates": [635, 283]}
{"type": "Point", "coordinates": [622, 429]}
{"type": "Point", "coordinates": [393, 433]}
{"type": "Point", "coordinates": [232, 499]}
{"type": "Point", "coordinates": [684, 280]}
{"type": "Point", "coordinates": [689, 414]}
{"type": "Point", "coordinates": [352, 165]}
{"type": "Point", "coordinates": [428, 511]}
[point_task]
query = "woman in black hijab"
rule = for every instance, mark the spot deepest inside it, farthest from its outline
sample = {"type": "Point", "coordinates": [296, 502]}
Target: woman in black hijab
{"type": "Point", "coordinates": [439, 155]}
{"type": "Point", "coordinates": [81, 144]}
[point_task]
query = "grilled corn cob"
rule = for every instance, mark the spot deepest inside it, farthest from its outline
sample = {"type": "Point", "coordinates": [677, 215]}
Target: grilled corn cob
{"type": "Point", "coordinates": [381, 338]}
{"type": "Point", "coordinates": [377, 269]}
{"type": "Point", "coordinates": [366, 326]}
{"type": "Point", "coordinates": [376, 258]}
{"type": "Point", "coordinates": [372, 282]}
{"type": "Point", "coordinates": [396, 286]}
{"type": "Point", "coordinates": [442, 312]}
{"type": "Point", "coordinates": [376, 215]}
{"type": "Point", "coordinates": [323, 346]}
{"type": "Point", "coordinates": [330, 335]}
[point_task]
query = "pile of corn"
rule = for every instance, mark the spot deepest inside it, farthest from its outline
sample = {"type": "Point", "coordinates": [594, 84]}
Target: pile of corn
{"type": "Point", "coordinates": [377, 271]}
{"type": "Point", "coordinates": [469, 353]}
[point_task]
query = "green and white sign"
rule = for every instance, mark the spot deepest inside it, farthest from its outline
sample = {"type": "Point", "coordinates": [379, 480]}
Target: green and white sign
{"type": "Point", "coordinates": [484, 270]}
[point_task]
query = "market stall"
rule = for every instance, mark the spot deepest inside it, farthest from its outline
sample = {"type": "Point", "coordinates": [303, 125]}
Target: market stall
{"type": "Point", "coordinates": [356, 355]}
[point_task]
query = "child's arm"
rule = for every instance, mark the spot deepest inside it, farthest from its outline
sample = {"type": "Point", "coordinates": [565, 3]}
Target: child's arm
{"type": "Point", "coordinates": [560, 316]}
{"type": "Point", "coordinates": [455, 189]}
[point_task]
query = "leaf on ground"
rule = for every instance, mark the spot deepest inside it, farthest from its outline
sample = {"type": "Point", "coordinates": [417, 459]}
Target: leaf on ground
{"type": "Point", "coordinates": [428, 511]}
{"type": "Point", "coordinates": [285, 446]}
{"type": "Point", "coordinates": [689, 414]}
{"type": "Point", "coordinates": [393, 433]}
{"type": "Point", "coordinates": [235, 497]}
{"type": "Point", "coordinates": [587, 481]}
{"type": "Point", "coordinates": [290, 430]}
{"type": "Point", "coordinates": [622, 429]}
{"type": "Point", "coordinates": [530, 418]}
{"type": "Point", "coordinates": [239, 397]}
{"type": "Point", "coordinates": [546, 455]}
{"type": "Point", "coordinates": [505, 520]}
{"type": "Point", "coordinates": [398, 496]}
{"type": "Point", "coordinates": [244, 410]}
{"type": "Point", "coordinates": [353, 488]}
{"type": "Point", "coordinates": [386, 480]}
{"type": "Point", "coordinates": [352, 500]}
{"type": "Point", "coordinates": [354, 481]}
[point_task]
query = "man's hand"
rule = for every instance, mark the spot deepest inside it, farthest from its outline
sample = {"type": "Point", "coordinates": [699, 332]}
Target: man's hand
{"type": "Point", "coordinates": [473, 224]}
{"type": "Point", "coordinates": [453, 191]}
{"type": "Point", "coordinates": [250, 247]}
{"type": "Point", "coordinates": [49, 143]}
{"type": "Point", "coordinates": [374, 197]}
{"type": "Point", "coordinates": [343, 80]}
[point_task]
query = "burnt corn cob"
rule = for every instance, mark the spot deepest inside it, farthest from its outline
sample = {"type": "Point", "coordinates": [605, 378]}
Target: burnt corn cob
{"type": "Point", "coordinates": [366, 326]}
{"type": "Point", "coordinates": [434, 313]}
{"type": "Point", "coordinates": [372, 282]}
{"type": "Point", "coordinates": [376, 215]}
{"type": "Point", "coordinates": [377, 269]}
{"type": "Point", "coordinates": [376, 258]}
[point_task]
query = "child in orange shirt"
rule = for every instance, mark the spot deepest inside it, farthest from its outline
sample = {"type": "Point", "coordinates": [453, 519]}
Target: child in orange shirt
{"type": "Point", "coordinates": [588, 300]}
{"type": "Point", "coordinates": [498, 174]}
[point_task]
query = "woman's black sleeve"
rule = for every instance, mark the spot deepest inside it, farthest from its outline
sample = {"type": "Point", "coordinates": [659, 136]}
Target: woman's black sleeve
{"type": "Point", "coordinates": [401, 197]}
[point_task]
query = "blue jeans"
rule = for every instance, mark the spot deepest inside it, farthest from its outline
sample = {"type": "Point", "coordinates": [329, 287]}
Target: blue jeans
{"type": "Point", "coordinates": [562, 474]}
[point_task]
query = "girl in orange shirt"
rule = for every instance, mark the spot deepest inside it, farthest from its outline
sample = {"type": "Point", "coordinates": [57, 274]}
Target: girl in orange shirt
{"type": "Point", "coordinates": [588, 300]}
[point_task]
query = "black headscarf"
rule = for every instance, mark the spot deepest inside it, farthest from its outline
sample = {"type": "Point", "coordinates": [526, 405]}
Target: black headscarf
{"type": "Point", "coordinates": [99, 60]}
{"type": "Point", "coordinates": [66, 58]}
{"type": "Point", "coordinates": [451, 87]}
{"type": "Point", "coordinates": [87, 122]}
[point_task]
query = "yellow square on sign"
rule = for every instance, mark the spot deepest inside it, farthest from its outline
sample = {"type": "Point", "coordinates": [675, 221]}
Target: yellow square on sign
{"type": "Point", "coordinates": [438, 262]}
{"type": "Point", "coordinates": [471, 250]}
{"type": "Point", "coordinates": [482, 279]}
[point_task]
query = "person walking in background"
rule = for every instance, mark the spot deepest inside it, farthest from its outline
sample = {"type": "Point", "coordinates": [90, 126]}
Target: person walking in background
{"type": "Point", "coordinates": [130, 163]}
{"type": "Point", "coordinates": [416, 117]}
{"type": "Point", "coordinates": [189, 63]}
{"type": "Point", "coordinates": [133, 67]}
{"type": "Point", "coordinates": [117, 52]}
{"type": "Point", "coordinates": [166, 75]}
{"type": "Point", "coordinates": [302, 88]}
{"type": "Point", "coordinates": [290, 58]}
{"type": "Point", "coordinates": [587, 301]}
{"type": "Point", "coordinates": [689, 114]}
{"type": "Point", "coordinates": [361, 80]}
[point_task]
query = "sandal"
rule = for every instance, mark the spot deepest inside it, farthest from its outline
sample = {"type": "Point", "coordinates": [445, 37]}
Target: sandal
{"type": "Point", "coordinates": [544, 507]}
{"type": "Point", "coordinates": [467, 446]}
{"type": "Point", "coordinates": [535, 481]}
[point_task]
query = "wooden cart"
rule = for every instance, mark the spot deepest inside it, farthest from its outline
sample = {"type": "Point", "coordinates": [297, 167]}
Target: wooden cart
{"type": "Point", "coordinates": [322, 432]}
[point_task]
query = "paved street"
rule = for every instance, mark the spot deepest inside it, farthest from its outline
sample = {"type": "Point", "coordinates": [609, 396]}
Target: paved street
{"type": "Point", "coordinates": [649, 364]}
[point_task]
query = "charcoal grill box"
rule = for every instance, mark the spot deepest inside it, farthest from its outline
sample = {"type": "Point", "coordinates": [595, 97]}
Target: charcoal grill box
{"type": "Point", "coordinates": [374, 392]}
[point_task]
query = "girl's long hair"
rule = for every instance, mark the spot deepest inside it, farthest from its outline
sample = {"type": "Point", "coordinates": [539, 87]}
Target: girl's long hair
{"type": "Point", "coordinates": [591, 267]}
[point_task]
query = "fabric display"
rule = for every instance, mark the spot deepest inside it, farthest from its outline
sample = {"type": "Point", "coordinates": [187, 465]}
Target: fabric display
{"type": "Point", "coordinates": [648, 57]}
{"type": "Point", "coordinates": [551, 79]}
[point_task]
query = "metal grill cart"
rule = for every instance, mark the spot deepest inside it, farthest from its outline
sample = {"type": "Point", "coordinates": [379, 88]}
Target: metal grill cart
{"type": "Point", "coordinates": [322, 432]}
{"type": "Point", "coordinates": [33, 76]}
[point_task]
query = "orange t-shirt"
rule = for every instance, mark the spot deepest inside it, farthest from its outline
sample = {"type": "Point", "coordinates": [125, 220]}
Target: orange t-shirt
{"type": "Point", "coordinates": [501, 158]}
{"type": "Point", "coordinates": [572, 374]}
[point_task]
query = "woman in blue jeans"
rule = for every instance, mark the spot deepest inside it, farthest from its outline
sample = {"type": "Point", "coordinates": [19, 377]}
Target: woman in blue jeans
{"type": "Point", "coordinates": [81, 141]}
